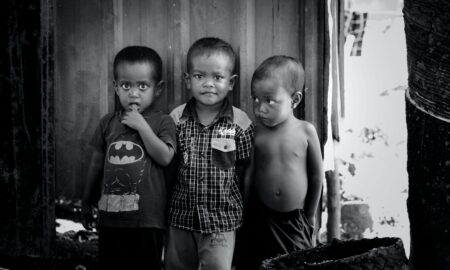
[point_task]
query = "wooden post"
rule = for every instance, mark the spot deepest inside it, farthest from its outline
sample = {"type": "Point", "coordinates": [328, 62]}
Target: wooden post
{"type": "Point", "coordinates": [333, 205]}
{"type": "Point", "coordinates": [27, 142]}
{"type": "Point", "coordinates": [332, 176]}
{"type": "Point", "coordinates": [428, 123]}
{"type": "Point", "coordinates": [313, 107]}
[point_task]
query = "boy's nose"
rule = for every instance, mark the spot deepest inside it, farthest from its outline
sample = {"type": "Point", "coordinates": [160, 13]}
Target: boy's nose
{"type": "Point", "coordinates": [261, 108]}
{"type": "Point", "coordinates": [208, 82]}
{"type": "Point", "coordinates": [133, 92]}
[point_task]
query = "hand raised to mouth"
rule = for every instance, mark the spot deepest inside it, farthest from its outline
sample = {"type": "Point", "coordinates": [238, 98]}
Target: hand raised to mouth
{"type": "Point", "coordinates": [134, 119]}
{"type": "Point", "coordinates": [134, 107]}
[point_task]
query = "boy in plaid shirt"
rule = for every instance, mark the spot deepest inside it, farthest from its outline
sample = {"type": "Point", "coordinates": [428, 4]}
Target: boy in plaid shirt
{"type": "Point", "coordinates": [214, 142]}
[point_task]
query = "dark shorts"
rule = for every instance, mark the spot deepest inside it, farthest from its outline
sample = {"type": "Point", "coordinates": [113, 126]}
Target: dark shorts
{"type": "Point", "coordinates": [130, 248]}
{"type": "Point", "coordinates": [269, 233]}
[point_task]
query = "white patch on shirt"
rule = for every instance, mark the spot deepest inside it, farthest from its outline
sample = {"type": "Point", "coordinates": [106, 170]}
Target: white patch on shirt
{"type": "Point", "coordinates": [227, 131]}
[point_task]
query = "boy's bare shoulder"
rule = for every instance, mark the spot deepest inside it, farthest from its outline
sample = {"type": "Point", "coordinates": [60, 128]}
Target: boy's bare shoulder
{"type": "Point", "coordinates": [306, 128]}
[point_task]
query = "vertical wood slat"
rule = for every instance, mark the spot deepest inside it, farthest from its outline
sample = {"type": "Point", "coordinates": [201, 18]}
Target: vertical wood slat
{"type": "Point", "coordinates": [131, 17]}
{"type": "Point", "coordinates": [118, 44]}
{"type": "Point", "coordinates": [26, 149]}
{"type": "Point", "coordinates": [341, 44]}
{"type": "Point", "coordinates": [313, 55]}
{"type": "Point", "coordinates": [106, 79]}
{"type": "Point", "coordinates": [82, 79]}
{"type": "Point", "coordinates": [47, 137]}
{"type": "Point", "coordinates": [178, 39]}
{"type": "Point", "coordinates": [245, 38]}
{"type": "Point", "coordinates": [312, 27]}
{"type": "Point", "coordinates": [263, 30]}
{"type": "Point", "coordinates": [332, 176]}
{"type": "Point", "coordinates": [154, 35]}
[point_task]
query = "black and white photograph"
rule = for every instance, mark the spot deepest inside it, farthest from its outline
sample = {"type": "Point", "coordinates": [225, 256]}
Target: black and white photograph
{"type": "Point", "coordinates": [225, 134]}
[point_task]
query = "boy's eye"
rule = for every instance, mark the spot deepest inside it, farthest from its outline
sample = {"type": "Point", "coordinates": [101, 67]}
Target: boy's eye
{"type": "Point", "coordinates": [270, 101]}
{"type": "Point", "coordinates": [255, 99]}
{"type": "Point", "coordinates": [143, 86]}
{"type": "Point", "coordinates": [125, 85]}
{"type": "Point", "coordinates": [218, 77]}
{"type": "Point", "coordinates": [197, 76]}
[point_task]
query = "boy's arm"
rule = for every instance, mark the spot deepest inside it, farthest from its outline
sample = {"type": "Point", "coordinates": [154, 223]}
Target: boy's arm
{"type": "Point", "coordinates": [315, 173]}
{"type": "Point", "coordinates": [245, 162]}
{"type": "Point", "coordinates": [247, 181]}
{"type": "Point", "coordinates": [158, 150]}
{"type": "Point", "coordinates": [92, 187]}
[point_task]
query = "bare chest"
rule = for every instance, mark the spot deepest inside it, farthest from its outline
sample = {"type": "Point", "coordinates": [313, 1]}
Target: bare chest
{"type": "Point", "coordinates": [280, 145]}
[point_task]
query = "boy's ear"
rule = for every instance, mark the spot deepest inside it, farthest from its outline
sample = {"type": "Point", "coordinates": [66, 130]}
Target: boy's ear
{"type": "Point", "coordinates": [187, 80]}
{"type": "Point", "coordinates": [116, 86]}
{"type": "Point", "coordinates": [159, 88]}
{"type": "Point", "coordinates": [233, 80]}
{"type": "Point", "coordinates": [296, 98]}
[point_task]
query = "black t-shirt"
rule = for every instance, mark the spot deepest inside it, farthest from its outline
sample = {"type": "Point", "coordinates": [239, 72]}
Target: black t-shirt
{"type": "Point", "coordinates": [134, 190]}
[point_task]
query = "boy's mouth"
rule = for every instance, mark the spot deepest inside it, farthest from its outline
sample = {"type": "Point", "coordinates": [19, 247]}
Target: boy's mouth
{"type": "Point", "coordinates": [264, 120]}
{"type": "Point", "coordinates": [209, 93]}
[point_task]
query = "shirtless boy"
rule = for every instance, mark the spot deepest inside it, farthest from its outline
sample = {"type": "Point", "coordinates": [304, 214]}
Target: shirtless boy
{"type": "Point", "coordinates": [287, 168]}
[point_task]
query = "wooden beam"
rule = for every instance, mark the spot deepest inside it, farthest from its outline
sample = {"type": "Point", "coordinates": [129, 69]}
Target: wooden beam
{"type": "Point", "coordinates": [27, 168]}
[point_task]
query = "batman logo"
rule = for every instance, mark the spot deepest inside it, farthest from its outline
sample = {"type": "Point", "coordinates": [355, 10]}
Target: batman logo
{"type": "Point", "coordinates": [124, 152]}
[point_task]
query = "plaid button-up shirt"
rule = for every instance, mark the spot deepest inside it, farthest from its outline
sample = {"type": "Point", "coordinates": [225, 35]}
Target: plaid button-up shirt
{"type": "Point", "coordinates": [206, 196]}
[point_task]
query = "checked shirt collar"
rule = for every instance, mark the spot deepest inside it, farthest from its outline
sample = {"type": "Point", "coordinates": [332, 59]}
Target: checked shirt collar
{"type": "Point", "coordinates": [226, 112]}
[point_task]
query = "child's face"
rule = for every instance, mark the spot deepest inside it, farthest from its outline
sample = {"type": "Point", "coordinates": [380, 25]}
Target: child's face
{"type": "Point", "coordinates": [135, 85]}
{"type": "Point", "coordinates": [210, 78]}
{"type": "Point", "coordinates": [272, 103]}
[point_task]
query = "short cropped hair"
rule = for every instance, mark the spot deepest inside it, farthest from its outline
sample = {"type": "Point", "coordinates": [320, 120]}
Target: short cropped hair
{"type": "Point", "coordinates": [208, 46]}
{"type": "Point", "coordinates": [136, 54]}
{"type": "Point", "coordinates": [288, 69]}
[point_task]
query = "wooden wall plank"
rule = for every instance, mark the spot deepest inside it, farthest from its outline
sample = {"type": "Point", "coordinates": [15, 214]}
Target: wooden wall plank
{"type": "Point", "coordinates": [131, 18]}
{"type": "Point", "coordinates": [82, 94]}
{"type": "Point", "coordinates": [178, 33]}
{"type": "Point", "coordinates": [27, 138]}
{"type": "Point", "coordinates": [263, 30]}
{"type": "Point", "coordinates": [245, 49]}
{"type": "Point", "coordinates": [153, 32]}
{"type": "Point", "coordinates": [287, 30]}
{"type": "Point", "coordinates": [312, 25]}
{"type": "Point", "coordinates": [277, 28]}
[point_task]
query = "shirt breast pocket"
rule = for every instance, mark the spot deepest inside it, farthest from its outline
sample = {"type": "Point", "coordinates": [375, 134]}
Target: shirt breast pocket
{"type": "Point", "coordinates": [223, 152]}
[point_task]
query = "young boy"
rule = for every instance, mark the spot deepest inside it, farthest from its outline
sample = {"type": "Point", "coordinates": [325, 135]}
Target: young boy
{"type": "Point", "coordinates": [287, 164]}
{"type": "Point", "coordinates": [131, 146]}
{"type": "Point", "coordinates": [214, 141]}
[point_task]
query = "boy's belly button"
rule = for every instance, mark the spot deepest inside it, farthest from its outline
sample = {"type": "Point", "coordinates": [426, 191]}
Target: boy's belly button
{"type": "Point", "coordinates": [278, 193]}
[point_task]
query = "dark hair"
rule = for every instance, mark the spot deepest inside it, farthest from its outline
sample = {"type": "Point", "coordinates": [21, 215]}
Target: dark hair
{"type": "Point", "coordinates": [208, 46]}
{"type": "Point", "coordinates": [288, 69]}
{"type": "Point", "coordinates": [135, 54]}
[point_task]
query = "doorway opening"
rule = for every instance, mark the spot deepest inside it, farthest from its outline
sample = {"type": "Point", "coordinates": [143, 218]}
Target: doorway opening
{"type": "Point", "coordinates": [370, 150]}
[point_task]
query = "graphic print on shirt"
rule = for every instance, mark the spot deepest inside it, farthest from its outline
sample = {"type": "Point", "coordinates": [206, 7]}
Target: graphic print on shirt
{"type": "Point", "coordinates": [124, 168]}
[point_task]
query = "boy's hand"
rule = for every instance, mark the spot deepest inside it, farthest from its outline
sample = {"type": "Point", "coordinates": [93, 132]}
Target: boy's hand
{"type": "Point", "coordinates": [134, 119]}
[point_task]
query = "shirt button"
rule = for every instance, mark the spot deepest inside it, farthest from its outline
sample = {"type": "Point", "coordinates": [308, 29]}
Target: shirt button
{"type": "Point", "coordinates": [201, 178]}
